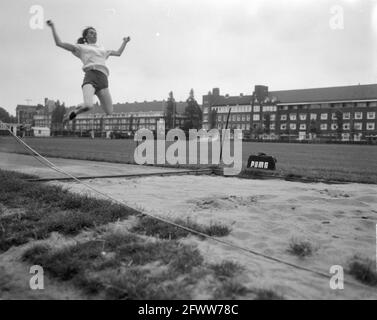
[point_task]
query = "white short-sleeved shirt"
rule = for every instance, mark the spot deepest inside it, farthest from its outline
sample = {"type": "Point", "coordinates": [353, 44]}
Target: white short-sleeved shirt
{"type": "Point", "coordinates": [93, 56]}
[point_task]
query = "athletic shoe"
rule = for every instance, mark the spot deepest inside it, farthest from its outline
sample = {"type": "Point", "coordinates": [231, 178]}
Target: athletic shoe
{"type": "Point", "coordinates": [69, 116]}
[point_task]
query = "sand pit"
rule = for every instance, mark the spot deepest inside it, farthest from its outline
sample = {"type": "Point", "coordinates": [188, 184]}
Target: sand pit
{"type": "Point", "coordinates": [338, 220]}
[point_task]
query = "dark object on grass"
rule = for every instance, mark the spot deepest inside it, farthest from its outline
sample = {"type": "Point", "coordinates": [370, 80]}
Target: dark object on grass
{"type": "Point", "coordinates": [300, 248]}
{"type": "Point", "coordinates": [262, 161]}
{"type": "Point", "coordinates": [363, 270]}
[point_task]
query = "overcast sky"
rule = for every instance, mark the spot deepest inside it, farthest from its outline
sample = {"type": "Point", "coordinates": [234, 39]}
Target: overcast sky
{"type": "Point", "coordinates": [182, 44]}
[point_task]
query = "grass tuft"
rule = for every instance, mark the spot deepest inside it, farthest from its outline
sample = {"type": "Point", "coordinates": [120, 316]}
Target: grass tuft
{"type": "Point", "coordinates": [36, 253]}
{"type": "Point", "coordinates": [153, 227]}
{"type": "Point", "coordinates": [187, 258]}
{"type": "Point", "coordinates": [217, 230]}
{"type": "Point", "coordinates": [363, 270]}
{"type": "Point", "coordinates": [230, 290]}
{"type": "Point", "coordinates": [226, 269]}
{"type": "Point", "coordinates": [137, 284]}
{"type": "Point", "coordinates": [300, 248]}
{"type": "Point", "coordinates": [66, 263]}
{"type": "Point", "coordinates": [264, 294]}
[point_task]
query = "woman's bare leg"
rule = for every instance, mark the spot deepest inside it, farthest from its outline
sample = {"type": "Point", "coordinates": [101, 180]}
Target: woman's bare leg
{"type": "Point", "coordinates": [88, 94]}
{"type": "Point", "coordinates": [106, 101]}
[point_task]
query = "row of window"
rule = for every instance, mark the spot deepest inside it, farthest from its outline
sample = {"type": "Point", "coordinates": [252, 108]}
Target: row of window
{"type": "Point", "coordinates": [128, 115]}
{"type": "Point", "coordinates": [117, 127]}
{"type": "Point", "coordinates": [247, 108]}
{"type": "Point", "coordinates": [294, 116]}
{"type": "Point", "coordinates": [118, 121]}
{"type": "Point", "coordinates": [325, 116]}
{"type": "Point", "coordinates": [347, 137]}
{"type": "Point", "coordinates": [42, 123]}
{"type": "Point", "coordinates": [226, 109]}
{"type": "Point", "coordinates": [293, 126]}
{"type": "Point", "coordinates": [233, 117]}
{"type": "Point", "coordinates": [87, 127]}
{"type": "Point", "coordinates": [236, 109]}
{"type": "Point", "coordinates": [346, 126]}
{"type": "Point", "coordinates": [330, 105]}
{"type": "Point", "coordinates": [243, 126]}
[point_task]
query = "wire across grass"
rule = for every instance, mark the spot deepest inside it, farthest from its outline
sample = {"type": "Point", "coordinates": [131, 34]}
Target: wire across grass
{"type": "Point", "coordinates": [152, 227]}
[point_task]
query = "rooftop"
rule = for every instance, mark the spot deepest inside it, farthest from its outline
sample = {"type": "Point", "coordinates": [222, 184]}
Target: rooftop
{"type": "Point", "coordinates": [344, 93]}
{"type": "Point", "coordinates": [145, 106]}
{"type": "Point", "coordinates": [25, 107]}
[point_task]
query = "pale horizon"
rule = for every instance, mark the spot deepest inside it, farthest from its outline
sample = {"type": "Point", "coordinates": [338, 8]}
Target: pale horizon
{"type": "Point", "coordinates": [176, 46]}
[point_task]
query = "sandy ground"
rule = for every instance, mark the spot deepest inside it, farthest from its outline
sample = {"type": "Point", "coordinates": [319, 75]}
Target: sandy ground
{"type": "Point", "coordinates": [338, 220]}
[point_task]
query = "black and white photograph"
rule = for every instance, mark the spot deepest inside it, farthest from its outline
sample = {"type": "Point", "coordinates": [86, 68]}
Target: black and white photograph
{"type": "Point", "coordinates": [188, 155]}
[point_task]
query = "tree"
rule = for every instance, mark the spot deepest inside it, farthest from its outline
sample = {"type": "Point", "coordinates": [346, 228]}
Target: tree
{"type": "Point", "coordinates": [352, 130]}
{"type": "Point", "coordinates": [131, 129]}
{"type": "Point", "coordinates": [170, 112]}
{"type": "Point", "coordinates": [266, 123]}
{"type": "Point", "coordinates": [313, 127]}
{"type": "Point", "coordinates": [339, 122]}
{"type": "Point", "coordinates": [259, 130]}
{"type": "Point", "coordinates": [57, 116]}
{"type": "Point", "coordinates": [102, 123]}
{"type": "Point", "coordinates": [287, 132]}
{"type": "Point", "coordinates": [212, 119]}
{"type": "Point", "coordinates": [4, 116]}
{"type": "Point", "coordinates": [193, 113]}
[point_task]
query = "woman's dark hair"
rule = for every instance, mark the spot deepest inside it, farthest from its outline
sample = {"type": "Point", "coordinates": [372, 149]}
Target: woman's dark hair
{"type": "Point", "coordinates": [83, 39]}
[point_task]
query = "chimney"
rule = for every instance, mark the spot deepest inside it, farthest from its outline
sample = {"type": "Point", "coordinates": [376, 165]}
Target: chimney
{"type": "Point", "coordinates": [261, 92]}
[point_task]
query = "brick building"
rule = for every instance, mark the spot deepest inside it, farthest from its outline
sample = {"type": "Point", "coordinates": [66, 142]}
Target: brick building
{"type": "Point", "coordinates": [126, 118]}
{"type": "Point", "coordinates": [42, 117]}
{"type": "Point", "coordinates": [334, 113]}
{"type": "Point", "coordinates": [25, 114]}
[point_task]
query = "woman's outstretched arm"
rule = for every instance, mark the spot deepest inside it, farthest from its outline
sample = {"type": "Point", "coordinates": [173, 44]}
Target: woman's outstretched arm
{"type": "Point", "coordinates": [58, 42]}
{"type": "Point", "coordinates": [121, 49]}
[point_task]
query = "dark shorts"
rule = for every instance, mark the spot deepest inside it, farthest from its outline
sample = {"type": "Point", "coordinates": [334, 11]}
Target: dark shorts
{"type": "Point", "coordinates": [97, 79]}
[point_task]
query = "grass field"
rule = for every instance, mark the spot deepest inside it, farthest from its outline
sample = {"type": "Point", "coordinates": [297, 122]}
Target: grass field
{"type": "Point", "coordinates": [356, 163]}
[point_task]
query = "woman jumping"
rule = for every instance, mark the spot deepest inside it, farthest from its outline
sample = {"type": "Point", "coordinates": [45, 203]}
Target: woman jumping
{"type": "Point", "coordinates": [93, 57]}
